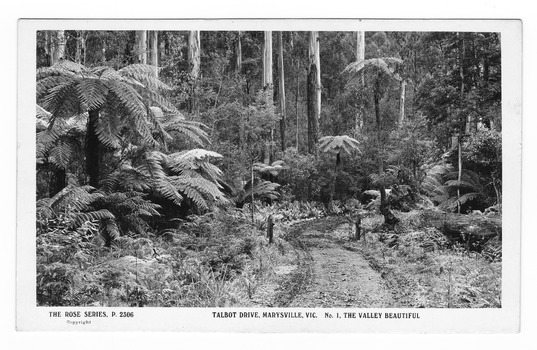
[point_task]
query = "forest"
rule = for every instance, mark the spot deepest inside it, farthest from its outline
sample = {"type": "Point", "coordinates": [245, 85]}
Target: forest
{"type": "Point", "coordinates": [268, 169]}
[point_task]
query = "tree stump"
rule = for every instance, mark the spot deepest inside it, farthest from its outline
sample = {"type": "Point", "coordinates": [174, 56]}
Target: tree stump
{"type": "Point", "coordinates": [357, 224]}
{"type": "Point", "coordinates": [270, 229]}
{"type": "Point", "coordinates": [390, 220]}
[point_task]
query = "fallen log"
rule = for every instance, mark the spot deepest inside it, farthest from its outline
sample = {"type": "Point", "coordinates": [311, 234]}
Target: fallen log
{"type": "Point", "coordinates": [473, 230]}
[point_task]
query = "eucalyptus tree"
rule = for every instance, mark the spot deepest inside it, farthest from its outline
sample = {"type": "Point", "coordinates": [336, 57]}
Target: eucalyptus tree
{"type": "Point", "coordinates": [141, 46]}
{"type": "Point", "coordinates": [313, 92]}
{"type": "Point", "coordinates": [281, 89]}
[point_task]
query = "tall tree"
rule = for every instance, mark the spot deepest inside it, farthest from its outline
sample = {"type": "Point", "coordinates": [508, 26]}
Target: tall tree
{"type": "Point", "coordinates": [80, 53]}
{"type": "Point", "coordinates": [268, 86]}
{"type": "Point", "coordinates": [462, 120]}
{"type": "Point", "coordinates": [141, 46]}
{"type": "Point", "coordinates": [194, 53]}
{"type": "Point", "coordinates": [314, 92]}
{"type": "Point", "coordinates": [360, 56]}
{"type": "Point", "coordinates": [267, 60]}
{"type": "Point", "coordinates": [58, 47]}
{"type": "Point", "coordinates": [281, 88]}
{"type": "Point", "coordinates": [402, 103]}
{"type": "Point", "coordinates": [238, 53]}
{"type": "Point", "coordinates": [194, 63]}
{"type": "Point", "coordinates": [154, 51]}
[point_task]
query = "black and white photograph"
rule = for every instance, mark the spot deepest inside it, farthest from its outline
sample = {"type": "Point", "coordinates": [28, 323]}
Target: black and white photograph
{"type": "Point", "coordinates": [260, 173]}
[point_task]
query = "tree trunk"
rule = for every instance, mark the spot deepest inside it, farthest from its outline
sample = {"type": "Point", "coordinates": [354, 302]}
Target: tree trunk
{"type": "Point", "coordinates": [360, 56]}
{"type": "Point", "coordinates": [402, 104]}
{"type": "Point", "coordinates": [314, 57]}
{"type": "Point", "coordinates": [270, 229]}
{"type": "Point", "coordinates": [296, 100]}
{"type": "Point", "coordinates": [194, 62]}
{"type": "Point", "coordinates": [313, 93]}
{"type": "Point", "coordinates": [473, 229]}
{"type": "Point", "coordinates": [252, 188]}
{"type": "Point", "coordinates": [141, 46]}
{"type": "Point", "coordinates": [93, 152]}
{"type": "Point", "coordinates": [154, 51]}
{"type": "Point", "coordinates": [57, 50]}
{"type": "Point", "coordinates": [380, 163]}
{"type": "Point", "coordinates": [238, 53]}
{"type": "Point", "coordinates": [333, 189]}
{"type": "Point", "coordinates": [461, 117]}
{"type": "Point", "coordinates": [281, 89]}
{"type": "Point", "coordinates": [357, 225]}
{"type": "Point", "coordinates": [58, 47]}
{"type": "Point", "coordinates": [313, 121]}
{"type": "Point", "coordinates": [267, 60]}
{"type": "Point", "coordinates": [267, 83]}
{"type": "Point", "coordinates": [57, 181]}
{"type": "Point", "coordinates": [194, 50]}
{"type": "Point", "coordinates": [103, 51]}
{"type": "Point", "coordinates": [78, 52]}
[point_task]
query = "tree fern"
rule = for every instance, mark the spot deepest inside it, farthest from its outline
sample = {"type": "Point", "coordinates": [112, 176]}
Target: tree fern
{"type": "Point", "coordinates": [125, 103]}
{"type": "Point", "coordinates": [261, 189]}
{"type": "Point", "coordinates": [272, 169]}
{"type": "Point", "coordinates": [441, 184]}
{"type": "Point", "coordinates": [187, 174]}
{"type": "Point", "coordinates": [336, 144]}
{"type": "Point", "coordinates": [385, 64]}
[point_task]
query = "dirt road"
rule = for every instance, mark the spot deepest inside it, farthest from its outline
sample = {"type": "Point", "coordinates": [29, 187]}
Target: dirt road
{"type": "Point", "coordinates": [327, 271]}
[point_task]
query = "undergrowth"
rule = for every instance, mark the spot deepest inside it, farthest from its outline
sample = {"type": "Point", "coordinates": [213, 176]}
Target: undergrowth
{"type": "Point", "coordinates": [212, 260]}
{"type": "Point", "coordinates": [425, 270]}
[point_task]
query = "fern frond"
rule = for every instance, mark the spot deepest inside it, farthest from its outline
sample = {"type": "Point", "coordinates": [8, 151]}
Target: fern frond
{"type": "Point", "coordinates": [75, 197]}
{"type": "Point", "coordinates": [109, 230]}
{"type": "Point", "coordinates": [46, 140]}
{"type": "Point", "coordinates": [191, 159]}
{"type": "Point", "coordinates": [61, 100]}
{"type": "Point", "coordinates": [126, 179]}
{"type": "Point", "coordinates": [272, 169]}
{"type": "Point", "coordinates": [108, 130]}
{"type": "Point", "coordinates": [145, 74]}
{"type": "Point", "coordinates": [155, 116]}
{"type": "Point", "coordinates": [157, 99]}
{"type": "Point", "coordinates": [168, 190]}
{"type": "Point", "coordinates": [92, 93]}
{"type": "Point", "coordinates": [44, 85]}
{"type": "Point", "coordinates": [192, 130]}
{"type": "Point", "coordinates": [461, 200]}
{"type": "Point", "coordinates": [43, 209]}
{"type": "Point", "coordinates": [379, 64]}
{"type": "Point", "coordinates": [62, 153]}
{"type": "Point", "coordinates": [72, 67]}
{"type": "Point", "coordinates": [98, 215]}
{"type": "Point", "coordinates": [337, 144]}
{"type": "Point", "coordinates": [151, 164]}
{"type": "Point", "coordinates": [261, 189]}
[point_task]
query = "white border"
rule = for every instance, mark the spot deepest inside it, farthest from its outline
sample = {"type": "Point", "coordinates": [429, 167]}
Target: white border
{"type": "Point", "coordinates": [506, 319]}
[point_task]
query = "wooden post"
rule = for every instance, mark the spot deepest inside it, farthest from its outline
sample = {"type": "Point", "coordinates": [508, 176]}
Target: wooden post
{"type": "Point", "coordinates": [357, 224]}
{"type": "Point", "coordinates": [270, 229]}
